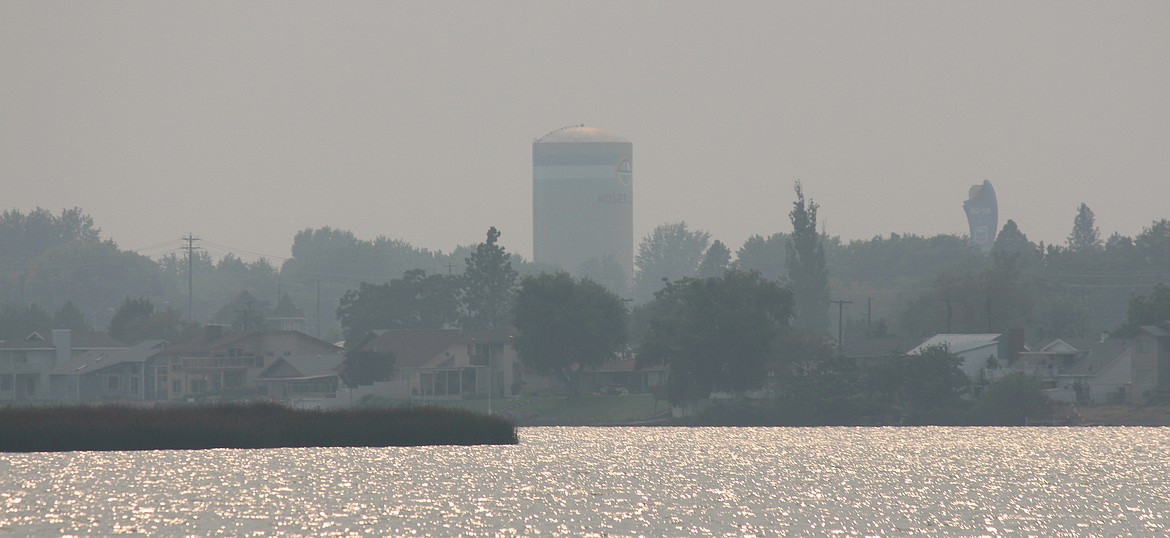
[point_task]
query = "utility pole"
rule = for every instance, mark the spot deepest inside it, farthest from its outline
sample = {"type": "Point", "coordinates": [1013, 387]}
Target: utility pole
{"type": "Point", "coordinates": [869, 317]}
{"type": "Point", "coordinates": [318, 308]}
{"type": "Point", "coordinates": [840, 328]}
{"type": "Point", "coordinates": [449, 267]}
{"type": "Point", "coordinates": [190, 248]}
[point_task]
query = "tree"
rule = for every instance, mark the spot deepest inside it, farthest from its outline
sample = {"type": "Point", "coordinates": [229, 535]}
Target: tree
{"type": "Point", "coordinates": [1085, 236]}
{"type": "Point", "coordinates": [414, 301]}
{"type": "Point", "coordinates": [767, 256]}
{"type": "Point", "coordinates": [130, 318]}
{"type": "Point", "coordinates": [1011, 400]}
{"type": "Point", "coordinates": [669, 252]}
{"type": "Point", "coordinates": [806, 266]}
{"type": "Point", "coordinates": [489, 282]}
{"type": "Point", "coordinates": [137, 320]}
{"type": "Point", "coordinates": [716, 261]}
{"type": "Point", "coordinates": [1011, 242]}
{"type": "Point", "coordinates": [716, 333]}
{"type": "Point", "coordinates": [1152, 309]}
{"type": "Point", "coordinates": [364, 367]}
{"type": "Point", "coordinates": [567, 326]}
{"type": "Point", "coordinates": [70, 317]}
{"type": "Point", "coordinates": [18, 322]}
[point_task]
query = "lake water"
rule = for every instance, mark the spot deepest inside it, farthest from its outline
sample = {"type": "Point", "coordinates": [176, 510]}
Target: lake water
{"type": "Point", "coordinates": [619, 481]}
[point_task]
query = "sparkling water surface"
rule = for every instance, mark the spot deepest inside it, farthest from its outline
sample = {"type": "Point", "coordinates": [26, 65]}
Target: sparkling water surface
{"type": "Point", "coordinates": [619, 481]}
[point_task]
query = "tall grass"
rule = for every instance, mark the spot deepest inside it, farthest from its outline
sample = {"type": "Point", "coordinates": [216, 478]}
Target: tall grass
{"type": "Point", "coordinates": [263, 425]}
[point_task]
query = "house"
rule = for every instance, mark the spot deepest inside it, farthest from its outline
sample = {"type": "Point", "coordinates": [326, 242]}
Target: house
{"type": "Point", "coordinates": [621, 375]}
{"type": "Point", "coordinates": [1071, 368]}
{"type": "Point", "coordinates": [979, 353]}
{"type": "Point", "coordinates": [222, 364]}
{"type": "Point", "coordinates": [1150, 356]}
{"type": "Point", "coordinates": [26, 363]}
{"type": "Point", "coordinates": [105, 374]}
{"type": "Point", "coordinates": [286, 316]}
{"type": "Point", "coordinates": [449, 364]}
{"type": "Point", "coordinates": [302, 380]}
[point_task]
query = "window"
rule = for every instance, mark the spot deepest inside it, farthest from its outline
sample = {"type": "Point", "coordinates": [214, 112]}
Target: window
{"type": "Point", "coordinates": [6, 382]}
{"type": "Point", "coordinates": [1142, 346]}
{"type": "Point", "coordinates": [177, 387]}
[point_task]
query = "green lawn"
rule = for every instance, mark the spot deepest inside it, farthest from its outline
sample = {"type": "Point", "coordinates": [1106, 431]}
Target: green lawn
{"type": "Point", "coordinates": [568, 410]}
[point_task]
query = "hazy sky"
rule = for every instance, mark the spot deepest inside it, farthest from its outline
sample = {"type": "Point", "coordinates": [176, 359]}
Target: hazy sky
{"type": "Point", "coordinates": [244, 122]}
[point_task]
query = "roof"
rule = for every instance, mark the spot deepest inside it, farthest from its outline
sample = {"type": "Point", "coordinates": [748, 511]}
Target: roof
{"type": "Point", "coordinates": [285, 309]}
{"type": "Point", "coordinates": [415, 348]}
{"type": "Point", "coordinates": [878, 347]}
{"type": "Point", "coordinates": [98, 359]}
{"type": "Point", "coordinates": [580, 133]}
{"type": "Point", "coordinates": [957, 343]}
{"type": "Point", "coordinates": [303, 367]}
{"type": "Point", "coordinates": [201, 344]}
{"type": "Point", "coordinates": [1154, 330]}
{"type": "Point", "coordinates": [77, 341]}
{"type": "Point", "coordinates": [627, 364]}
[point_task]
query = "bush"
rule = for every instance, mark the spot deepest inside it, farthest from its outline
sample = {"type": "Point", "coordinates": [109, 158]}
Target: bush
{"type": "Point", "coordinates": [1011, 400]}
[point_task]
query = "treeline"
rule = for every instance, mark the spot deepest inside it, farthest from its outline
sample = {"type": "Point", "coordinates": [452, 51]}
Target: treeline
{"type": "Point", "coordinates": [908, 285]}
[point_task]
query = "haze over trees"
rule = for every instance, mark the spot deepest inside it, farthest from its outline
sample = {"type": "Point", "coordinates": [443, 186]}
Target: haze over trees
{"type": "Point", "coordinates": [670, 252]}
{"type": "Point", "coordinates": [57, 270]}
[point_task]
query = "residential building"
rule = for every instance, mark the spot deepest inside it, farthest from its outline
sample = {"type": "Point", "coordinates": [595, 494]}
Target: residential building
{"type": "Point", "coordinates": [105, 374]}
{"type": "Point", "coordinates": [1072, 368]}
{"type": "Point", "coordinates": [621, 375]}
{"type": "Point", "coordinates": [980, 353]}
{"type": "Point", "coordinates": [449, 364]}
{"type": "Point", "coordinates": [1150, 356]}
{"type": "Point", "coordinates": [220, 364]}
{"type": "Point", "coordinates": [302, 380]}
{"type": "Point", "coordinates": [26, 364]}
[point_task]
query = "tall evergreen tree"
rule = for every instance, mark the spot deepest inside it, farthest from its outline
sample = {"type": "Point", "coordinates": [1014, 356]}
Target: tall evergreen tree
{"type": "Point", "coordinates": [489, 282]}
{"type": "Point", "coordinates": [1085, 236]}
{"type": "Point", "coordinates": [806, 266]}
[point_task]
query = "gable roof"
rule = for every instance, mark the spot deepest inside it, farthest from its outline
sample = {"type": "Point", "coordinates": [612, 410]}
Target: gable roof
{"type": "Point", "coordinates": [1060, 347]}
{"type": "Point", "coordinates": [958, 343]}
{"type": "Point", "coordinates": [303, 367]}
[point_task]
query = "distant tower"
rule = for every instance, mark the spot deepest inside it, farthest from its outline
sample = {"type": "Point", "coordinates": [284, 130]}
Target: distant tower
{"type": "Point", "coordinates": [982, 215]}
{"type": "Point", "coordinates": [582, 198]}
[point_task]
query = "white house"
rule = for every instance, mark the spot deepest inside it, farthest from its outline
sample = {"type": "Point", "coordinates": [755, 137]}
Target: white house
{"type": "Point", "coordinates": [979, 352]}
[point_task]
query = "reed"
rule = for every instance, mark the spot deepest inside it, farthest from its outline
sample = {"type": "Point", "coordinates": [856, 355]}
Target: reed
{"type": "Point", "coordinates": [255, 425]}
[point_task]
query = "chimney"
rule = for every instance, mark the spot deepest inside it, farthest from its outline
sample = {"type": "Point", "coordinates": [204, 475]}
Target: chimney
{"type": "Point", "coordinates": [212, 332]}
{"type": "Point", "coordinates": [63, 344]}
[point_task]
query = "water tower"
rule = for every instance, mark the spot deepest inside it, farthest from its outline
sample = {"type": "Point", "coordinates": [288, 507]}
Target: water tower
{"type": "Point", "coordinates": [982, 215]}
{"type": "Point", "coordinates": [582, 198]}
